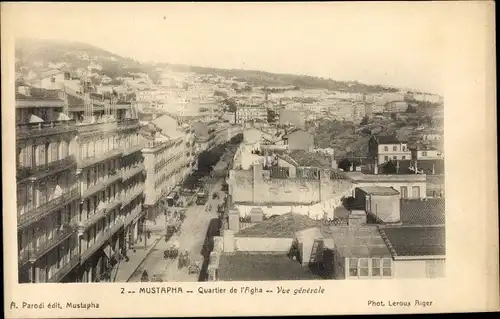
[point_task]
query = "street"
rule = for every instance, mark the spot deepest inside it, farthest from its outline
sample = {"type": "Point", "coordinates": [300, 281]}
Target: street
{"type": "Point", "coordinates": [198, 224]}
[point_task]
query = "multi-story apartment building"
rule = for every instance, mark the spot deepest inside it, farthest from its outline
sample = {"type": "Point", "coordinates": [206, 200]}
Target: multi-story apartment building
{"type": "Point", "coordinates": [168, 159]}
{"type": "Point", "coordinates": [47, 187]}
{"type": "Point", "coordinates": [247, 113]}
{"type": "Point", "coordinates": [386, 148]}
{"type": "Point", "coordinates": [81, 184]}
{"type": "Point", "coordinates": [111, 181]}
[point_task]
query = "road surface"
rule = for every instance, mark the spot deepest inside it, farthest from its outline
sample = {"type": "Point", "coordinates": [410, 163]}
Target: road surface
{"type": "Point", "coordinates": [194, 230]}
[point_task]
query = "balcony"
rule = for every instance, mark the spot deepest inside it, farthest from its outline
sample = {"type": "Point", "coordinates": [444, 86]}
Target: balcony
{"type": "Point", "coordinates": [62, 234]}
{"type": "Point", "coordinates": [128, 124]}
{"type": "Point", "coordinates": [132, 172]}
{"type": "Point", "coordinates": [64, 270]}
{"type": "Point", "coordinates": [129, 219]}
{"type": "Point", "coordinates": [105, 236]}
{"type": "Point", "coordinates": [38, 171]}
{"type": "Point", "coordinates": [101, 213]}
{"type": "Point", "coordinates": [84, 128]}
{"type": "Point", "coordinates": [82, 163]}
{"type": "Point", "coordinates": [132, 149]}
{"type": "Point", "coordinates": [34, 130]}
{"type": "Point", "coordinates": [46, 209]}
{"type": "Point", "coordinates": [101, 185]}
{"type": "Point", "coordinates": [130, 197]}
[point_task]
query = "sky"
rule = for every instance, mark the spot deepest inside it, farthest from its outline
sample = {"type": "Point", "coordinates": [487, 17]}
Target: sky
{"type": "Point", "coordinates": [374, 43]}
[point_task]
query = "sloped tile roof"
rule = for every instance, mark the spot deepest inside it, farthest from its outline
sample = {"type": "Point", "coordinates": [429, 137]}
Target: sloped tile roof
{"type": "Point", "coordinates": [283, 226]}
{"type": "Point", "coordinates": [430, 211]}
{"type": "Point", "coordinates": [310, 159]}
{"type": "Point", "coordinates": [244, 266]}
{"type": "Point", "coordinates": [388, 139]}
{"type": "Point", "coordinates": [415, 241]}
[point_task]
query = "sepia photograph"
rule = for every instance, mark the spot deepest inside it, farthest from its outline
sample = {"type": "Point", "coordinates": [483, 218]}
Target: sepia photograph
{"type": "Point", "coordinates": [188, 143]}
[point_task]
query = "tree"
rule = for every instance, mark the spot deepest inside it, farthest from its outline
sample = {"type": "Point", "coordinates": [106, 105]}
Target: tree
{"type": "Point", "coordinates": [390, 168]}
{"type": "Point", "coordinates": [271, 116]}
{"type": "Point", "coordinates": [411, 109]}
{"type": "Point", "coordinates": [345, 164]}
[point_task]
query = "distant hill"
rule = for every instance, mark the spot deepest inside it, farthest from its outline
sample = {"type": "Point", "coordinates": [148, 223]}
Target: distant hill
{"type": "Point", "coordinates": [31, 52]}
{"type": "Point", "coordinates": [262, 78]}
{"type": "Point", "coordinates": [78, 55]}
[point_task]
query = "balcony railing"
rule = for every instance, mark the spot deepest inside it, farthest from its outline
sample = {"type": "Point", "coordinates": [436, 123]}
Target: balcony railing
{"type": "Point", "coordinates": [62, 234]}
{"type": "Point", "coordinates": [129, 123]}
{"type": "Point", "coordinates": [47, 208]}
{"type": "Point", "coordinates": [110, 179]}
{"type": "Point", "coordinates": [132, 172]}
{"type": "Point", "coordinates": [130, 197]}
{"type": "Point", "coordinates": [52, 167]}
{"type": "Point", "coordinates": [83, 127]}
{"type": "Point", "coordinates": [132, 216]}
{"type": "Point", "coordinates": [64, 270]}
{"type": "Point", "coordinates": [132, 149]}
{"type": "Point", "coordinates": [105, 236]}
{"type": "Point", "coordinates": [82, 163]}
{"type": "Point", "coordinates": [32, 130]}
{"type": "Point", "coordinates": [101, 213]}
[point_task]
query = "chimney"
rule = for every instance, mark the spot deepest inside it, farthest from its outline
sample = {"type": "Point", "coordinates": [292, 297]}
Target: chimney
{"type": "Point", "coordinates": [256, 215]}
{"type": "Point", "coordinates": [257, 172]}
{"type": "Point", "coordinates": [306, 240]}
{"type": "Point", "coordinates": [357, 218]}
{"type": "Point", "coordinates": [334, 162]}
{"type": "Point", "coordinates": [228, 240]}
{"type": "Point", "coordinates": [234, 220]}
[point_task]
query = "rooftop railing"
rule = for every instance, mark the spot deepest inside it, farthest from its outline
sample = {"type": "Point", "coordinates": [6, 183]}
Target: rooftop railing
{"type": "Point", "coordinates": [33, 130]}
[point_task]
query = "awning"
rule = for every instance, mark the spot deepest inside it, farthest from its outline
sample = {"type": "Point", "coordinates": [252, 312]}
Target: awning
{"type": "Point", "coordinates": [35, 119]}
{"type": "Point", "coordinates": [107, 251]}
{"type": "Point", "coordinates": [62, 117]}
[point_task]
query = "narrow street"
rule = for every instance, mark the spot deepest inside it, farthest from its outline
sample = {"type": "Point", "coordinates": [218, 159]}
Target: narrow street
{"type": "Point", "coordinates": [194, 230]}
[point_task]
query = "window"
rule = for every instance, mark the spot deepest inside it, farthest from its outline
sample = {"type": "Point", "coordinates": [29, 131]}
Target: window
{"type": "Point", "coordinates": [353, 267]}
{"type": "Point", "coordinates": [415, 190]}
{"type": "Point", "coordinates": [370, 267]}
{"type": "Point", "coordinates": [376, 267]}
{"type": "Point", "coordinates": [363, 267]}
{"type": "Point", "coordinates": [403, 157]}
{"type": "Point", "coordinates": [386, 267]}
{"type": "Point", "coordinates": [424, 153]}
{"type": "Point", "coordinates": [394, 148]}
{"type": "Point", "coordinates": [386, 148]}
{"type": "Point", "coordinates": [394, 157]}
{"type": "Point", "coordinates": [386, 158]}
{"type": "Point", "coordinates": [404, 192]}
{"type": "Point", "coordinates": [404, 148]}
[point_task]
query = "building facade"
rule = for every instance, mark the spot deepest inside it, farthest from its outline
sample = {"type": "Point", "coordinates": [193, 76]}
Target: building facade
{"type": "Point", "coordinates": [47, 188]}
{"type": "Point", "coordinates": [168, 160]}
{"type": "Point", "coordinates": [83, 205]}
{"type": "Point", "coordinates": [386, 148]}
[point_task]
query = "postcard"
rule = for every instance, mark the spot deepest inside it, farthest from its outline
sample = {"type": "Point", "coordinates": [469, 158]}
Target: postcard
{"type": "Point", "coordinates": [213, 159]}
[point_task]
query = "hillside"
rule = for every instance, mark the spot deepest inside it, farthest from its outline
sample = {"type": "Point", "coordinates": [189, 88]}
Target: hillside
{"type": "Point", "coordinates": [78, 55]}
{"type": "Point", "coordinates": [262, 78]}
{"type": "Point", "coordinates": [37, 54]}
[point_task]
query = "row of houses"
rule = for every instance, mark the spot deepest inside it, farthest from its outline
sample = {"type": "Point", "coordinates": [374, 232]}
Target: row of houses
{"type": "Point", "coordinates": [291, 214]}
